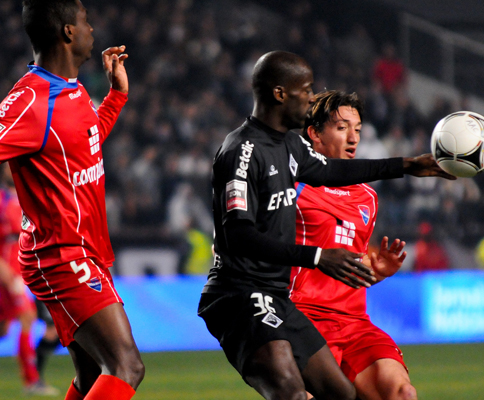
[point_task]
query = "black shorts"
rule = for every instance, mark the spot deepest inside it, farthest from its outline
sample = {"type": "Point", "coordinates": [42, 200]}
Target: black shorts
{"type": "Point", "coordinates": [242, 322]}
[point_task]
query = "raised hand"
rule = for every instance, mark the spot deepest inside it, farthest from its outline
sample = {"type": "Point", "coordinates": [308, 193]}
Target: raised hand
{"type": "Point", "coordinates": [113, 63]}
{"type": "Point", "coordinates": [389, 259]}
{"type": "Point", "coordinates": [343, 266]}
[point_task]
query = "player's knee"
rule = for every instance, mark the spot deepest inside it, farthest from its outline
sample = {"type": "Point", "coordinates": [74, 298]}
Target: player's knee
{"type": "Point", "coordinates": [407, 392]}
{"type": "Point", "coordinates": [288, 387]}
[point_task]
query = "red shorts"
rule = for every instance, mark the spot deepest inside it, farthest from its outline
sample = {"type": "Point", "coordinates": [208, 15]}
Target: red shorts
{"type": "Point", "coordinates": [72, 292]}
{"type": "Point", "coordinates": [16, 302]}
{"type": "Point", "coordinates": [356, 343]}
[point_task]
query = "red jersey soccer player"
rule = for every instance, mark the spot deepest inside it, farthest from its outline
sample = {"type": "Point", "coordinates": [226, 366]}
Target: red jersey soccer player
{"type": "Point", "coordinates": [51, 134]}
{"type": "Point", "coordinates": [345, 217]}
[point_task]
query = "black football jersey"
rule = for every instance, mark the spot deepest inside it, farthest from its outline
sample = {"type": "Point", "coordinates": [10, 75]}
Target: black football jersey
{"type": "Point", "coordinates": [254, 175]}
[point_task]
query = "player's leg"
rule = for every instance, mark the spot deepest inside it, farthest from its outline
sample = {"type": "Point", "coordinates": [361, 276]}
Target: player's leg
{"type": "Point", "coordinates": [385, 379]}
{"type": "Point", "coordinates": [324, 378]}
{"type": "Point", "coordinates": [45, 348]}
{"type": "Point", "coordinates": [273, 372]}
{"type": "Point", "coordinates": [106, 339]}
{"type": "Point", "coordinates": [26, 352]}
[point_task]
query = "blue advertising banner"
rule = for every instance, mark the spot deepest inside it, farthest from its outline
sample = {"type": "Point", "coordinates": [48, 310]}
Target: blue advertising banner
{"type": "Point", "coordinates": [438, 307]}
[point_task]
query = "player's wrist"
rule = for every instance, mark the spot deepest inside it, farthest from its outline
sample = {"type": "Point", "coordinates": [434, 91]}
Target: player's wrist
{"type": "Point", "coordinates": [317, 256]}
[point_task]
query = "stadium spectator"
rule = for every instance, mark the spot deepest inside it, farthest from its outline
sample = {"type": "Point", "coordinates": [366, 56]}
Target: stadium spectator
{"type": "Point", "coordinates": [389, 70]}
{"type": "Point", "coordinates": [430, 254]}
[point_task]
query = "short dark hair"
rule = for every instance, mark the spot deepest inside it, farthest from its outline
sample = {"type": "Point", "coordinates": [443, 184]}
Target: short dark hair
{"type": "Point", "coordinates": [325, 103]}
{"type": "Point", "coordinates": [276, 68]}
{"type": "Point", "coordinates": [44, 21]}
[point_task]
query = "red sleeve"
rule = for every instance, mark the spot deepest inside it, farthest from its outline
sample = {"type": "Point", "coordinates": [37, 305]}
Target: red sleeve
{"type": "Point", "coordinates": [23, 122]}
{"type": "Point", "coordinates": [109, 111]}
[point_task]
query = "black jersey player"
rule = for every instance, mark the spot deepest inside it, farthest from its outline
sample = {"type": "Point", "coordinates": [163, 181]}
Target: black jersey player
{"type": "Point", "coordinates": [245, 300]}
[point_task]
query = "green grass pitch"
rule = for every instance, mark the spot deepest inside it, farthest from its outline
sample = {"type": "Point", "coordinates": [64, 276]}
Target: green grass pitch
{"type": "Point", "coordinates": [439, 372]}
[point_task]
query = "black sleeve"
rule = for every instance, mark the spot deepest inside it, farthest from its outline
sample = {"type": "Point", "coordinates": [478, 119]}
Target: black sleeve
{"type": "Point", "coordinates": [318, 170]}
{"type": "Point", "coordinates": [351, 172]}
{"type": "Point", "coordinates": [244, 240]}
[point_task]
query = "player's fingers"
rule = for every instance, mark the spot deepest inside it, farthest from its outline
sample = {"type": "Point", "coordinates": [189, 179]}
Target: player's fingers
{"type": "Point", "coordinates": [360, 268]}
{"type": "Point", "coordinates": [384, 243]}
{"type": "Point", "coordinates": [394, 246]}
{"type": "Point", "coordinates": [402, 257]}
{"type": "Point", "coordinates": [400, 247]}
{"type": "Point", "coordinates": [349, 282]}
{"type": "Point", "coordinates": [114, 50]}
{"type": "Point", "coordinates": [115, 63]}
{"type": "Point", "coordinates": [355, 280]}
{"type": "Point", "coordinates": [122, 57]}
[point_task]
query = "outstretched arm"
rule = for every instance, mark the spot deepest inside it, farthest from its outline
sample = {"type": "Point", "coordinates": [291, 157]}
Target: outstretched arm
{"type": "Point", "coordinates": [388, 261]}
{"type": "Point", "coordinates": [424, 165]}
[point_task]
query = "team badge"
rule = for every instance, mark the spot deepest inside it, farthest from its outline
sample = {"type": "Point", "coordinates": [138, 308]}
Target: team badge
{"type": "Point", "coordinates": [95, 284]}
{"type": "Point", "coordinates": [236, 195]}
{"type": "Point", "coordinates": [272, 320]}
{"type": "Point", "coordinates": [292, 165]}
{"type": "Point", "coordinates": [365, 213]}
{"type": "Point", "coordinates": [93, 108]}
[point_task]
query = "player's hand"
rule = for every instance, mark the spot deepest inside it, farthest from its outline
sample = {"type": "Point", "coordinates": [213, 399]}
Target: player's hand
{"type": "Point", "coordinates": [424, 165]}
{"type": "Point", "coordinates": [113, 63]}
{"type": "Point", "coordinates": [389, 260]}
{"type": "Point", "coordinates": [343, 266]}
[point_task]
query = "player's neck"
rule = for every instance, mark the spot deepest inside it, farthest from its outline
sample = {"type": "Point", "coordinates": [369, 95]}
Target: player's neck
{"type": "Point", "coordinates": [58, 63]}
{"type": "Point", "coordinates": [270, 117]}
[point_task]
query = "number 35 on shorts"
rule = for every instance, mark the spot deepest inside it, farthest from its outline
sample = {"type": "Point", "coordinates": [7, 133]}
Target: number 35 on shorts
{"type": "Point", "coordinates": [82, 271]}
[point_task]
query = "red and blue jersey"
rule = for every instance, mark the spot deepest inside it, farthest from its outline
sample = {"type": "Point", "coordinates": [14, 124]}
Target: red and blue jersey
{"type": "Point", "coordinates": [328, 217]}
{"type": "Point", "coordinates": [51, 134]}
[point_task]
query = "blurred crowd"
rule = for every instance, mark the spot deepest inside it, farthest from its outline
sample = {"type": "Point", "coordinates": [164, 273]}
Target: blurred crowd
{"type": "Point", "coordinates": [190, 65]}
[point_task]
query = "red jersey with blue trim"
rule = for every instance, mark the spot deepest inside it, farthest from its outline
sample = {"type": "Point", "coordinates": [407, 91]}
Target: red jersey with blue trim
{"type": "Point", "coordinates": [51, 134]}
{"type": "Point", "coordinates": [332, 218]}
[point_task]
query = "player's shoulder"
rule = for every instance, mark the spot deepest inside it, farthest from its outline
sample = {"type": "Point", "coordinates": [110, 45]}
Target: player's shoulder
{"type": "Point", "coordinates": [26, 91]}
{"type": "Point", "coordinates": [237, 139]}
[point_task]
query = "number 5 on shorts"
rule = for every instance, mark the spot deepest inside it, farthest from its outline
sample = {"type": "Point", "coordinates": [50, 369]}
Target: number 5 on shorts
{"type": "Point", "coordinates": [83, 267]}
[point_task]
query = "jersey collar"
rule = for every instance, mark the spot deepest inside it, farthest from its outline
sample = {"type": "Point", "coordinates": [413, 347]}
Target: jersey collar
{"type": "Point", "coordinates": [275, 135]}
{"type": "Point", "coordinates": [70, 83]}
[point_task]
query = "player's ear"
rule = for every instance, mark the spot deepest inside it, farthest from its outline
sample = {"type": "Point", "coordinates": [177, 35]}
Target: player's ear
{"type": "Point", "coordinates": [278, 93]}
{"type": "Point", "coordinates": [313, 134]}
{"type": "Point", "coordinates": [67, 33]}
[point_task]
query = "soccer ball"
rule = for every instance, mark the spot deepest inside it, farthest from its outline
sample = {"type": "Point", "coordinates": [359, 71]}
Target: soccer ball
{"type": "Point", "coordinates": [457, 143]}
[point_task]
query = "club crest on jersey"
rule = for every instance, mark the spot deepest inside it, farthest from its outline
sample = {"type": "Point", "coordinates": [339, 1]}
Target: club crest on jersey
{"type": "Point", "coordinates": [93, 108]}
{"type": "Point", "coordinates": [292, 165]}
{"type": "Point", "coordinates": [93, 133]}
{"type": "Point", "coordinates": [236, 195]}
{"type": "Point", "coordinates": [272, 320]}
{"type": "Point", "coordinates": [95, 284]}
{"type": "Point", "coordinates": [365, 213]}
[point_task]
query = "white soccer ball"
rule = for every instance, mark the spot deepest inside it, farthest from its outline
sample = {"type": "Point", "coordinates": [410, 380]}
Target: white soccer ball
{"type": "Point", "coordinates": [457, 143]}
